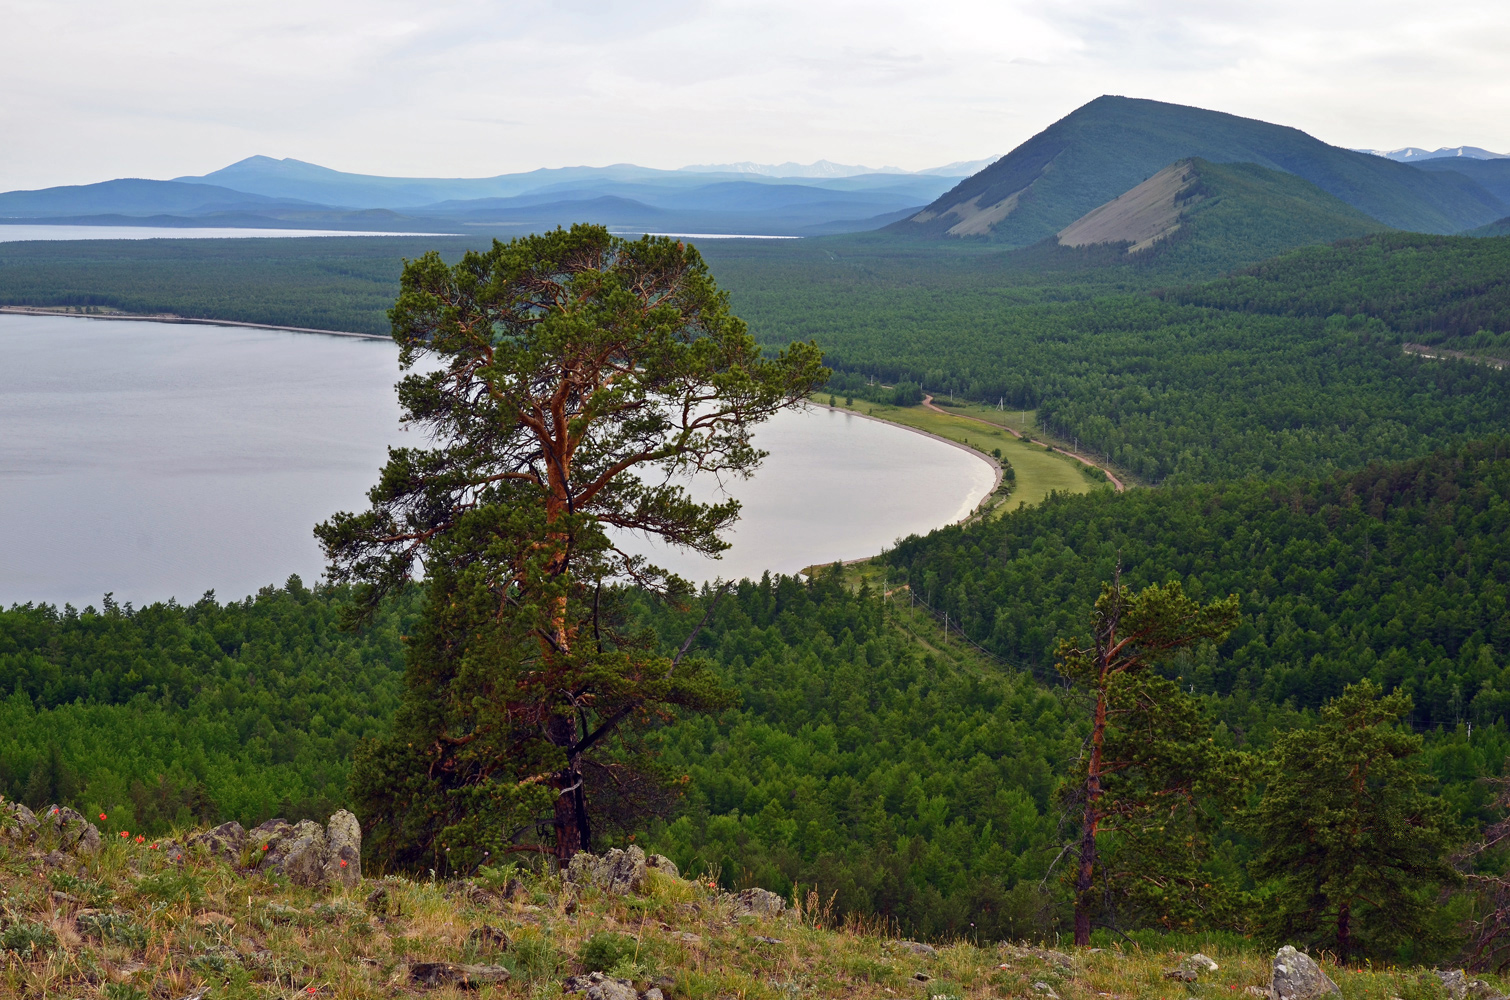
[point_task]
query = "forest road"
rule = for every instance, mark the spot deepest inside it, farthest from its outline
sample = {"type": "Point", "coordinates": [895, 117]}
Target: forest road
{"type": "Point", "coordinates": [928, 402]}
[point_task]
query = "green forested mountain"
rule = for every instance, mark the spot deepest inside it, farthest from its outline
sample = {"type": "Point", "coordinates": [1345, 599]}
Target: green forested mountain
{"type": "Point", "coordinates": [1491, 175]}
{"type": "Point", "coordinates": [1114, 143]}
{"type": "Point", "coordinates": [1199, 217]}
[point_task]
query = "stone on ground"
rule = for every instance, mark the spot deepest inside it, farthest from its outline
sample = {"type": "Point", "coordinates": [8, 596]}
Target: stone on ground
{"type": "Point", "coordinates": [1298, 977]}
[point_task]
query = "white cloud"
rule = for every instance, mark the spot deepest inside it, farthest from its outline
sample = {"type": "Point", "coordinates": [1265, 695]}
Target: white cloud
{"type": "Point", "coordinates": [91, 89]}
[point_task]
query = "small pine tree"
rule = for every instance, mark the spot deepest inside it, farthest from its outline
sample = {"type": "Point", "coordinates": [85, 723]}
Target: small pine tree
{"type": "Point", "coordinates": [1353, 844]}
{"type": "Point", "coordinates": [1150, 766]}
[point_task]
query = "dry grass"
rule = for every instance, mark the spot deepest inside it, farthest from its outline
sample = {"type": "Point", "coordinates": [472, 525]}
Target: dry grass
{"type": "Point", "coordinates": [164, 931]}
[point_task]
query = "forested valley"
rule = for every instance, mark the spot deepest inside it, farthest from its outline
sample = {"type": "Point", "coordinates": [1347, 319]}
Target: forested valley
{"type": "Point", "coordinates": [1354, 496]}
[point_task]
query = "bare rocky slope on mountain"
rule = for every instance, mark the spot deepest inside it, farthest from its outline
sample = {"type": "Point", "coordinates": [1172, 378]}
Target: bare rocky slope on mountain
{"type": "Point", "coordinates": [1113, 144]}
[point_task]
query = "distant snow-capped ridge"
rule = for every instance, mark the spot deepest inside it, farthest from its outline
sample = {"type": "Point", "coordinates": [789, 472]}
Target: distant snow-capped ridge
{"type": "Point", "coordinates": [828, 168]}
{"type": "Point", "coordinates": [1407, 154]}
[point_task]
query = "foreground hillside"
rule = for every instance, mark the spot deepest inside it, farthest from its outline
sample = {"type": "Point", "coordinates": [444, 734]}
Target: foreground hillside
{"type": "Point", "coordinates": [137, 918]}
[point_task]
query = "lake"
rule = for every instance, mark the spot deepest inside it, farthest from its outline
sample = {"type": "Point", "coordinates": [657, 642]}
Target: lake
{"type": "Point", "coordinates": [156, 461]}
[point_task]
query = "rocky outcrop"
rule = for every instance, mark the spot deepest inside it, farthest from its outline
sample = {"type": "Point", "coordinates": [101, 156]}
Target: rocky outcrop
{"type": "Point", "coordinates": [72, 831]}
{"type": "Point", "coordinates": [226, 841]}
{"type": "Point", "coordinates": [307, 853]}
{"type": "Point", "coordinates": [18, 824]}
{"type": "Point", "coordinates": [755, 903]}
{"type": "Point", "coordinates": [1297, 977]}
{"type": "Point", "coordinates": [597, 986]}
{"type": "Point", "coordinates": [343, 849]}
{"type": "Point", "coordinates": [617, 872]}
{"type": "Point", "coordinates": [663, 864]}
{"type": "Point", "coordinates": [1460, 987]}
{"type": "Point", "coordinates": [59, 831]}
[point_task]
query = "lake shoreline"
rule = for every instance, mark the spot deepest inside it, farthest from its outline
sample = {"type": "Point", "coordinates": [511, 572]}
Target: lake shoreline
{"type": "Point", "coordinates": [188, 320]}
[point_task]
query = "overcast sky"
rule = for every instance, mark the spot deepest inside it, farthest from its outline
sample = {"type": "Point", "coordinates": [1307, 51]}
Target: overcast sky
{"type": "Point", "coordinates": [91, 90]}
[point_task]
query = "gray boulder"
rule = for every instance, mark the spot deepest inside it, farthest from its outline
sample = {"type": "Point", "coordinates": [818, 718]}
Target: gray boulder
{"type": "Point", "coordinates": [1454, 982]}
{"type": "Point", "coordinates": [73, 831]}
{"type": "Point", "coordinates": [226, 841]}
{"type": "Point", "coordinates": [343, 844]}
{"type": "Point", "coordinates": [755, 903]}
{"type": "Point", "coordinates": [295, 851]}
{"type": "Point", "coordinates": [18, 824]}
{"type": "Point", "coordinates": [663, 864]}
{"type": "Point", "coordinates": [1297, 977]}
{"type": "Point", "coordinates": [1199, 963]}
{"type": "Point", "coordinates": [918, 948]}
{"type": "Point", "coordinates": [597, 986]}
{"type": "Point", "coordinates": [617, 872]}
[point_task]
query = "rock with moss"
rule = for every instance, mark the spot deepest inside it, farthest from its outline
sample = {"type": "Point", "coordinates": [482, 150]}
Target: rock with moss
{"type": "Point", "coordinates": [72, 832]}
{"type": "Point", "coordinates": [663, 864]}
{"type": "Point", "coordinates": [755, 903]}
{"type": "Point", "coordinates": [226, 841]}
{"type": "Point", "coordinates": [617, 872]}
{"type": "Point", "coordinates": [18, 824]}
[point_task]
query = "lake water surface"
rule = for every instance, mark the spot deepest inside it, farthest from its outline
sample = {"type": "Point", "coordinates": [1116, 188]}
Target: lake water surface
{"type": "Point", "coordinates": [156, 461]}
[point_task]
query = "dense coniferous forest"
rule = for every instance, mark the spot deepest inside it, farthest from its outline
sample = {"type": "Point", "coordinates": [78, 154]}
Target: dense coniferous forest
{"type": "Point", "coordinates": [171, 713]}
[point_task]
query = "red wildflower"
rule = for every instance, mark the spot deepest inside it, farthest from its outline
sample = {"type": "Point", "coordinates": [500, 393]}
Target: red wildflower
{"type": "Point", "coordinates": [264, 847]}
{"type": "Point", "coordinates": [343, 863]}
{"type": "Point", "coordinates": [102, 815]}
{"type": "Point", "coordinates": [125, 833]}
{"type": "Point", "coordinates": [140, 839]}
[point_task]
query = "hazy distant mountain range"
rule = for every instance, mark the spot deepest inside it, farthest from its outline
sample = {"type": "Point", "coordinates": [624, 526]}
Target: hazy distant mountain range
{"type": "Point", "coordinates": [827, 168]}
{"type": "Point", "coordinates": [1117, 170]}
{"type": "Point", "coordinates": [788, 200]}
{"type": "Point", "coordinates": [1415, 154]}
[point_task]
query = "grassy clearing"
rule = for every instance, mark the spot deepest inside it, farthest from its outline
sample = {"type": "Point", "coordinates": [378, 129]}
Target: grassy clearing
{"type": "Point", "coordinates": [129, 924]}
{"type": "Point", "coordinates": [1039, 471]}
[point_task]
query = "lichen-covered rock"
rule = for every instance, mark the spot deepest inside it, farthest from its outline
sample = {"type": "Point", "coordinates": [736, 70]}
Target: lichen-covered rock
{"type": "Point", "coordinates": [298, 852]}
{"type": "Point", "coordinates": [170, 850]}
{"type": "Point", "coordinates": [918, 948]}
{"type": "Point", "coordinates": [597, 986]}
{"type": "Point", "coordinates": [755, 903]}
{"type": "Point", "coordinates": [617, 872]}
{"type": "Point", "coordinates": [18, 824]}
{"type": "Point", "coordinates": [343, 844]}
{"type": "Point", "coordinates": [1182, 975]}
{"type": "Point", "coordinates": [226, 841]}
{"type": "Point", "coordinates": [73, 832]}
{"type": "Point", "coordinates": [304, 854]}
{"type": "Point", "coordinates": [663, 864]}
{"type": "Point", "coordinates": [1199, 963]}
{"type": "Point", "coordinates": [1298, 977]}
{"type": "Point", "coordinates": [1454, 982]}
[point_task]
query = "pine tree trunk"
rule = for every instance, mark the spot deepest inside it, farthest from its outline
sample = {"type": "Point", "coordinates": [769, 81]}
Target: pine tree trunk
{"type": "Point", "coordinates": [1086, 879]}
{"type": "Point", "coordinates": [1344, 933]}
